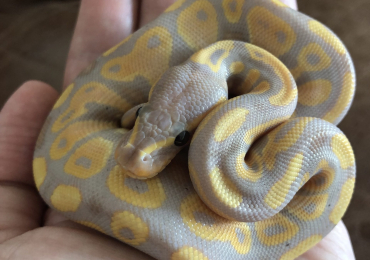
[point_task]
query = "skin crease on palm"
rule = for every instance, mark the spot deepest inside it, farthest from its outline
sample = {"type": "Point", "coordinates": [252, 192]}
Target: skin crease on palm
{"type": "Point", "coordinates": [28, 229]}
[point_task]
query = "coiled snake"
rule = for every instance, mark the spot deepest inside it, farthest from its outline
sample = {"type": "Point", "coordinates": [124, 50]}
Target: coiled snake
{"type": "Point", "coordinates": [267, 173]}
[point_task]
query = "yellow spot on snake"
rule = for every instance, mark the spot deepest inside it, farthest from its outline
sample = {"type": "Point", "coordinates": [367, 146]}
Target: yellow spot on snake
{"type": "Point", "coordinates": [74, 133]}
{"type": "Point", "coordinates": [343, 150]}
{"type": "Point", "coordinates": [176, 5]}
{"type": "Point", "coordinates": [188, 253]}
{"type": "Point", "coordinates": [311, 58]}
{"type": "Point", "coordinates": [325, 34]}
{"type": "Point", "coordinates": [270, 32]}
{"type": "Point", "coordinates": [314, 92]}
{"type": "Point", "coordinates": [205, 56]}
{"type": "Point", "coordinates": [224, 189]}
{"type": "Point", "coordinates": [343, 202]}
{"type": "Point", "coordinates": [90, 158]}
{"type": "Point", "coordinates": [93, 92]}
{"type": "Point", "coordinates": [152, 198]}
{"type": "Point", "coordinates": [39, 171]}
{"type": "Point", "coordinates": [233, 9]}
{"type": "Point", "coordinates": [91, 225]}
{"type": "Point", "coordinates": [288, 88]}
{"type": "Point", "coordinates": [193, 210]}
{"type": "Point", "coordinates": [229, 123]}
{"type": "Point", "coordinates": [261, 88]}
{"type": "Point", "coordinates": [113, 49]}
{"type": "Point", "coordinates": [308, 207]}
{"type": "Point", "coordinates": [278, 192]}
{"type": "Point", "coordinates": [66, 198]}
{"type": "Point", "coordinates": [203, 16]}
{"type": "Point", "coordinates": [276, 230]}
{"type": "Point", "coordinates": [272, 148]}
{"type": "Point", "coordinates": [255, 132]}
{"type": "Point", "coordinates": [344, 98]}
{"type": "Point", "coordinates": [127, 221]}
{"type": "Point", "coordinates": [302, 247]}
{"type": "Point", "coordinates": [236, 67]}
{"type": "Point", "coordinates": [64, 96]}
{"type": "Point", "coordinates": [155, 45]}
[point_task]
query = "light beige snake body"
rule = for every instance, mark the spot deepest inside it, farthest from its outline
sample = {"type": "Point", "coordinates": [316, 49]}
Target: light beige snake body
{"type": "Point", "coordinates": [267, 174]}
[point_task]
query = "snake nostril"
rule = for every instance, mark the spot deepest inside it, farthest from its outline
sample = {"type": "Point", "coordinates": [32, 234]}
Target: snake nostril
{"type": "Point", "coordinates": [146, 158]}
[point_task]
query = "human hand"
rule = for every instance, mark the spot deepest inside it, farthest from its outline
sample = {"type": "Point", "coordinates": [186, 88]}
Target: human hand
{"type": "Point", "coordinates": [30, 230]}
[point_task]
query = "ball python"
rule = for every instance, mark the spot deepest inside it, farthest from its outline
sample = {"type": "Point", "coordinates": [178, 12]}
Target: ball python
{"type": "Point", "coordinates": [207, 134]}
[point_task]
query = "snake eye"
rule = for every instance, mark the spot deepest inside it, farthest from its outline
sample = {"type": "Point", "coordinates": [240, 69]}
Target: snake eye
{"type": "Point", "coordinates": [182, 138]}
{"type": "Point", "coordinates": [138, 111]}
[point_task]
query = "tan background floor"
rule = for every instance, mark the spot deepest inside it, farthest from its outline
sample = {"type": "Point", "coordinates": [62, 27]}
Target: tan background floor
{"type": "Point", "coordinates": [35, 36]}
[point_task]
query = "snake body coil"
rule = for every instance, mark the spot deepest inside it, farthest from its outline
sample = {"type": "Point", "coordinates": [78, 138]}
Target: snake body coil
{"type": "Point", "coordinates": [255, 87]}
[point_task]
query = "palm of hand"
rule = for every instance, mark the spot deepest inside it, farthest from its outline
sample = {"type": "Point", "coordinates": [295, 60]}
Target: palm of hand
{"type": "Point", "coordinates": [28, 229]}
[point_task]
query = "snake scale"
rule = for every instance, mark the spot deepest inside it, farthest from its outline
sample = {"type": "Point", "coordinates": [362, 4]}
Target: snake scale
{"type": "Point", "coordinates": [207, 134]}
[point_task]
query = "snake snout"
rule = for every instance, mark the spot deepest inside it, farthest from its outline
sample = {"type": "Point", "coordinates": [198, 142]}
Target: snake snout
{"type": "Point", "coordinates": [137, 163]}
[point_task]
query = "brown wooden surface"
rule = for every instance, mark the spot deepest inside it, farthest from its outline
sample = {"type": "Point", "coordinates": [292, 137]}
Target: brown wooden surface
{"type": "Point", "coordinates": [35, 36]}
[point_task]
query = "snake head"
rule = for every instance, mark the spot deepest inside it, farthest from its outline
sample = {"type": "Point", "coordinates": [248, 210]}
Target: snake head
{"type": "Point", "coordinates": [156, 137]}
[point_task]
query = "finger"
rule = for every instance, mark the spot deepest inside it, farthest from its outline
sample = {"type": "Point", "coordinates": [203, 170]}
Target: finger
{"type": "Point", "coordinates": [100, 25]}
{"type": "Point", "coordinates": [335, 246]}
{"type": "Point", "coordinates": [21, 120]}
{"type": "Point", "coordinates": [152, 9]}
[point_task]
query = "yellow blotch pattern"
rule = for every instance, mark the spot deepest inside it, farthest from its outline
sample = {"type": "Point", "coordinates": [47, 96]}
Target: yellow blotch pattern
{"type": "Point", "coordinates": [95, 152]}
{"type": "Point", "coordinates": [290, 230]}
{"type": "Point", "coordinates": [224, 189]}
{"type": "Point", "coordinates": [113, 49]}
{"type": "Point", "coordinates": [301, 247]}
{"type": "Point", "coordinates": [127, 220]}
{"type": "Point", "coordinates": [236, 67]}
{"type": "Point", "coordinates": [188, 253]}
{"type": "Point", "coordinates": [93, 92]}
{"type": "Point", "coordinates": [64, 96]}
{"type": "Point", "coordinates": [343, 150]}
{"type": "Point", "coordinates": [152, 199]}
{"type": "Point", "coordinates": [39, 171]}
{"type": "Point", "coordinates": [343, 202]}
{"type": "Point", "coordinates": [278, 192]}
{"type": "Point", "coordinates": [233, 16]}
{"type": "Point", "coordinates": [204, 56]}
{"type": "Point", "coordinates": [314, 93]}
{"type": "Point", "coordinates": [74, 133]}
{"type": "Point", "coordinates": [265, 29]}
{"type": "Point", "coordinates": [66, 198]}
{"type": "Point", "coordinates": [344, 99]}
{"type": "Point", "coordinates": [272, 148]}
{"type": "Point", "coordinates": [176, 5]}
{"type": "Point", "coordinates": [221, 229]}
{"type": "Point", "coordinates": [203, 16]}
{"type": "Point", "coordinates": [229, 123]}
{"type": "Point", "coordinates": [255, 132]}
{"type": "Point", "coordinates": [313, 51]}
{"type": "Point", "coordinates": [325, 34]}
{"type": "Point", "coordinates": [299, 204]}
{"type": "Point", "coordinates": [288, 90]}
{"type": "Point", "coordinates": [155, 45]}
